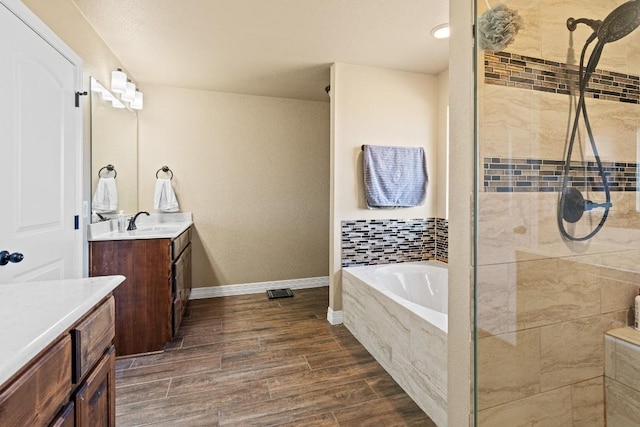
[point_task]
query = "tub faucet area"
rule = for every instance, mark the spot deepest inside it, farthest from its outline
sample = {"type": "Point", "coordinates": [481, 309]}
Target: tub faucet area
{"type": "Point", "coordinates": [132, 221]}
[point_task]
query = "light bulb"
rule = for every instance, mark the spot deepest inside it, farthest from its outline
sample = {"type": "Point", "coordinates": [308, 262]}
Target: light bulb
{"type": "Point", "coordinates": [138, 102]}
{"type": "Point", "coordinates": [129, 94]}
{"type": "Point", "coordinates": [118, 81]}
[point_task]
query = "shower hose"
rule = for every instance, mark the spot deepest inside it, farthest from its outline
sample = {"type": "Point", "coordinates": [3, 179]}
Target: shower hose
{"type": "Point", "coordinates": [565, 192]}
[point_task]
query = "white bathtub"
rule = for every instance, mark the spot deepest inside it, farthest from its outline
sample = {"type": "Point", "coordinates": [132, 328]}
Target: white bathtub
{"type": "Point", "coordinates": [399, 313]}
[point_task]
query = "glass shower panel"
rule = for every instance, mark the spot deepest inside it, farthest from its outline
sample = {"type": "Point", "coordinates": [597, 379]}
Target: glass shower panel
{"type": "Point", "coordinates": [557, 242]}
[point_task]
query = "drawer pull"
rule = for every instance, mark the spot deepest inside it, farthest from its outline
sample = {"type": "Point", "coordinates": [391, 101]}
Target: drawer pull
{"type": "Point", "coordinates": [98, 393]}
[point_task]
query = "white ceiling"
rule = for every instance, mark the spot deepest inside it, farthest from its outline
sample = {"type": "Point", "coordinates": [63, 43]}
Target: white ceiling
{"type": "Point", "coordinates": [280, 48]}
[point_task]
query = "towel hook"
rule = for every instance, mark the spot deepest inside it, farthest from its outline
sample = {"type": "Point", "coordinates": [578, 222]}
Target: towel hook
{"type": "Point", "coordinates": [109, 168]}
{"type": "Point", "coordinates": [165, 169]}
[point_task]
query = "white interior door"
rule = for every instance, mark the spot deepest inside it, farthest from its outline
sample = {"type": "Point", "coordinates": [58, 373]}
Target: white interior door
{"type": "Point", "coordinates": [39, 159]}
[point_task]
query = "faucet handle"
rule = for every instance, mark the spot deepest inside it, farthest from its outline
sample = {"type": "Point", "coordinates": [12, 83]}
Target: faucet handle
{"type": "Point", "coordinates": [132, 224]}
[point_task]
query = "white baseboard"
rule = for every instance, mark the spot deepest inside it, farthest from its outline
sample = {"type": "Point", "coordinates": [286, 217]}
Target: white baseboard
{"type": "Point", "coordinates": [256, 288]}
{"type": "Point", "coordinates": [334, 317]}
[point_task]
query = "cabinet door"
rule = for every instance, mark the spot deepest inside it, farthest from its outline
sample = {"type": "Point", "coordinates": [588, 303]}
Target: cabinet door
{"type": "Point", "coordinates": [66, 417]}
{"type": "Point", "coordinates": [92, 337]}
{"type": "Point", "coordinates": [35, 397]}
{"type": "Point", "coordinates": [181, 286]}
{"type": "Point", "coordinates": [96, 398]}
{"type": "Point", "coordinates": [143, 300]}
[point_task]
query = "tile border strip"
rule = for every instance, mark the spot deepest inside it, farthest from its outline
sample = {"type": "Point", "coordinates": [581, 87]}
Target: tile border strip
{"type": "Point", "coordinates": [526, 72]}
{"type": "Point", "coordinates": [538, 175]}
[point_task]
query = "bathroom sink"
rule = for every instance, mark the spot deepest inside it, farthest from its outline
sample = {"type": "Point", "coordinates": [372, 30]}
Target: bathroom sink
{"type": "Point", "coordinates": [155, 226]}
{"type": "Point", "coordinates": [165, 228]}
{"type": "Point", "coordinates": [157, 229]}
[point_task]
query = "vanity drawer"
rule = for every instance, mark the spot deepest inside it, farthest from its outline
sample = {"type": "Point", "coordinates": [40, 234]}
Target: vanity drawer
{"type": "Point", "coordinates": [35, 397]}
{"type": "Point", "coordinates": [92, 337]}
{"type": "Point", "coordinates": [179, 243]}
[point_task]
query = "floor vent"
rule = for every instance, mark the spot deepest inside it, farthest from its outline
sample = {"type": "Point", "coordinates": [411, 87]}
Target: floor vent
{"type": "Point", "coordinates": [279, 293]}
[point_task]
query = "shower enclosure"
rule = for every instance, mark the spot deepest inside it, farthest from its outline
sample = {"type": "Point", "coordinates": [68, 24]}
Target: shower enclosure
{"type": "Point", "coordinates": [557, 215]}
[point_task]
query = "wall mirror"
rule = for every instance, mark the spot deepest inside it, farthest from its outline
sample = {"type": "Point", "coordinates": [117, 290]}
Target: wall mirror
{"type": "Point", "coordinates": [114, 141]}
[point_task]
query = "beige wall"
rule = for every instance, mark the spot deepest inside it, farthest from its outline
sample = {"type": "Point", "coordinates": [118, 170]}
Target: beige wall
{"type": "Point", "coordinates": [442, 155]}
{"type": "Point", "coordinates": [254, 171]}
{"type": "Point", "coordinates": [114, 140]}
{"type": "Point", "coordinates": [379, 107]}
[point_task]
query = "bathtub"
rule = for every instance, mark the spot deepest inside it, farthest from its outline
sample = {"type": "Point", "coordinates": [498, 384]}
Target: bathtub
{"type": "Point", "coordinates": [399, 314]}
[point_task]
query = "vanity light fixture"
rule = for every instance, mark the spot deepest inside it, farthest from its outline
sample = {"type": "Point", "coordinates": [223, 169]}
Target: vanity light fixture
{"type": "Point", "coordinates": [107, 96]}
{"type": "Point", "coordinates": [440, 31]}
{"type": "Point", "coordinates": [116, 103]}
{"type": "Point", "coordinates": [130, 93]}
{"type": "Point", "coordinates": [118, 81]}
{"type": "Point", "coordinates": [138, 102]}
{"type": "Point", "coordinates": [96, 86]}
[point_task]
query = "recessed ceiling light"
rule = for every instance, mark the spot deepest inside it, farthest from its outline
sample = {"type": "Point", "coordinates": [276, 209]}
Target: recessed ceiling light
{"type": "Point", "coordinates": [441, 31]}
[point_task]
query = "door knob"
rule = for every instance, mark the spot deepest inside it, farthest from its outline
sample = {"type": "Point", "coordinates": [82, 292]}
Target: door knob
{"type": "Point", "coordinates": [6, 257]}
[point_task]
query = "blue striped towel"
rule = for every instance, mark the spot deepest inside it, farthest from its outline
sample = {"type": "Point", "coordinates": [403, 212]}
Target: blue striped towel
{"type": "Point", "coordinates": [394, 176]}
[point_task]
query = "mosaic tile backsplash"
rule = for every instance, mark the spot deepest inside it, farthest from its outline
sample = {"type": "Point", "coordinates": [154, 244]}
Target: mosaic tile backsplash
{"type": "Point", "coordinates": [370, 242]}
{"type": "Point", "coordinates": [533, 175]}
{"type": "Point", "coordinates": [525, 72]}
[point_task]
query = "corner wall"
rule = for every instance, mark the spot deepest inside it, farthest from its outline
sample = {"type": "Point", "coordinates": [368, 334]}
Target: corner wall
{"type": "Point", "coordinates": [379, 107]}
{"type": "Point", "coordinates": [253, 170]}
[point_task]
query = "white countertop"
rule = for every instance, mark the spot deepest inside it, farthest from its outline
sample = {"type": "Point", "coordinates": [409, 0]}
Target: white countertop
{"type": "Point", "coordinates": [154, 226]}
{"type": "Point", "coordinates": [34, 314]}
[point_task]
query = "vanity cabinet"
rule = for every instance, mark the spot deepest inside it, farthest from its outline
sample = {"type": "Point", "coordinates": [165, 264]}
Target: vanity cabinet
{"type": "Point", "coordinates": [71, 382]}
{"type": "Point", "coordinates": [151, 301]}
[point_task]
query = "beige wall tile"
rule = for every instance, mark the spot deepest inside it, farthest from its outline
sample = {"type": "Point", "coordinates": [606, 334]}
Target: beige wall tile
{"type": "Point", "coordinates": [495, 295]}
{"type": "Point", "coordinates": [508, 367]}
{"type": "Point", "coordinates": [622, 404]}
{"type": "Point", "coordinates": [552, 291]}
{"type": "Point", "coordinates": [627, 333]}
{"type": "Point", "coordinates": [430, 399]}
{"type": "Point", "coordinates": [550, 409]}
{"type": "Point", "coordinates": [428, 352]}
{"type": "Point", "coordinates": [627, 364]}
{"type": "Point", "coordinates": [507, 122]}
{"type": "Point", "coordinates": [633, 53]}
{"type": "Point", "coordinates": [504, 224]}
{"type": "Point", "coordinates": [588, 403]}
{"type": "Point", "coordinates": [616, 295]}
{"type": "Point", "coordinates": [609, 356]}
{"type": "Point", "coordinates": [573, 351]}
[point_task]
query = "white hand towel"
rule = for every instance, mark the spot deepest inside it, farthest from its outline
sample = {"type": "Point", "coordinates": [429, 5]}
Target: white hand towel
{"type": "Point", "coordinates": [164, 199]}
{"type": "Point", "coordinates": [105, 199]}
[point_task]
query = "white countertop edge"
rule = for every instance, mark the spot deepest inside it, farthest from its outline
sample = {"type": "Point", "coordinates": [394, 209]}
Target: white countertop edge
{"type": "Point", "coordinates": [18, 360]}
{"type": "Point", "coordinates": [131, 235]}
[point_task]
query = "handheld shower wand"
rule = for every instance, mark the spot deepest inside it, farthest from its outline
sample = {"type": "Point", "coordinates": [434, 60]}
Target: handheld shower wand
{"type": "Point", "coordinates": [571, 204]}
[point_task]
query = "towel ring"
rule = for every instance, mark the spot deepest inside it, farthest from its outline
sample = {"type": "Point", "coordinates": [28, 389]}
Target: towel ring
{"type": "Point", "coordinates": [165, 169]}
{"type": "Point", "coordinates": [109, 168]}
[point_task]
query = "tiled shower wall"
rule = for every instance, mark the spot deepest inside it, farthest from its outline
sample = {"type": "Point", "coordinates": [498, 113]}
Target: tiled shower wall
{"type": "Point", "coordinates": [543, 304]}
{"type": "Point", "coordinates": [384, 241]}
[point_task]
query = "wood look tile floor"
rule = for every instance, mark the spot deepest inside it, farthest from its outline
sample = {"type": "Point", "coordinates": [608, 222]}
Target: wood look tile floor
{"type": "Point", "coordinates": [250, 361]}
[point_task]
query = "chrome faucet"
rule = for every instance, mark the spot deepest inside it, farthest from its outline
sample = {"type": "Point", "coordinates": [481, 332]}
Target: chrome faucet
{"type": "Point", "coordinates": [132, 221]}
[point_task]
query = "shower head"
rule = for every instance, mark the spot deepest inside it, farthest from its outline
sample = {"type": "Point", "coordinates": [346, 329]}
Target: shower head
{"type": "Point", "coordinates": [619, 23]}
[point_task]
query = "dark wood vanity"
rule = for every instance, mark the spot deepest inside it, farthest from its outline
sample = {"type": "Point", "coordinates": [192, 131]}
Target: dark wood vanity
{"type": "Point", "coordinates": [71, 382]}
{"type": "Point", "coordinates": [151, 301]}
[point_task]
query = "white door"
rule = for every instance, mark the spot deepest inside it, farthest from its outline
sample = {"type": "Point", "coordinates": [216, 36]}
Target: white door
{"type": "Point", "coordinates": [39, 159]}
